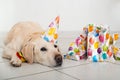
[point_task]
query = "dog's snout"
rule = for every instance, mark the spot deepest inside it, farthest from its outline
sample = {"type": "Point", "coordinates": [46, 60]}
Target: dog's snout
{"type": "Point", "coordinates": [58, 59]}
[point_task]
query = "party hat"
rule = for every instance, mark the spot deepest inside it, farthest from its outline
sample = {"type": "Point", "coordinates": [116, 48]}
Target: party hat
{"type": "Point", "coordinates": [51, 35]}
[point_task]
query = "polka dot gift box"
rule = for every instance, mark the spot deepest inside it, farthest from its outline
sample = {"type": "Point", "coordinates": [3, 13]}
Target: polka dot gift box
{"type": "Point", "coordinates": [100, 43]}
{"type": "Point", "coordinates": [77, 49]}
{"type": "Point", "coordinates": [116, 50]}
{"type": "Point", "coordinates": [95, 42]}
{"type": "Point", "coordinates": [51, 35]}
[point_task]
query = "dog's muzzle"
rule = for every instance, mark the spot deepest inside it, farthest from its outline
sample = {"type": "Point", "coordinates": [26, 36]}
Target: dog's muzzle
{"type": "Point", "coordinates": [58, 59]}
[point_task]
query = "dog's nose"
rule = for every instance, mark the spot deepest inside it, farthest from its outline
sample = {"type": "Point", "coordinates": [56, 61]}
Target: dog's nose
{"type": "Point", "coordinates": [58, 59]}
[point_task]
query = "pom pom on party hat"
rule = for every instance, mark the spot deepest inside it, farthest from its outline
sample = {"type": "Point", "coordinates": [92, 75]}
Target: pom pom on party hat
{"type": "Point", "coordinates": [51, 35]}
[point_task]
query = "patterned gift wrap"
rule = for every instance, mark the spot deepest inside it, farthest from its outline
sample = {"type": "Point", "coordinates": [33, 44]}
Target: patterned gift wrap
{"type": "Point", "coordinates": [95, 42]}
{"type": "Point", "coordinates": [51, 35]}
{"type": "Point", "coordinates": [77, 49]}
{"type": "Point", "coordinates": [98, 47]}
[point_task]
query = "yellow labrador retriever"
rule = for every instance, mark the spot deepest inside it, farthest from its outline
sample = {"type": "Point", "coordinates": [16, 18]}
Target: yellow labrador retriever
{"type": "Point", "coordinates": [26, 37]}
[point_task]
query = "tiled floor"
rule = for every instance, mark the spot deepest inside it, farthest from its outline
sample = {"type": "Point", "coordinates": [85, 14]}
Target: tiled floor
{"type": "Point", "coordinates": [70, 70]}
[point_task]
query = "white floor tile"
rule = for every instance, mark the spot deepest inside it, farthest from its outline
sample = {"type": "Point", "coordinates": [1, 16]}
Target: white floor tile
{"type": "Point", "coordinates": [8, 71]}
{"type": "Point", "coordinates": [2, 59]}
{"type": "Point", "coordinates": [95, 71]}
{"type": "Point", "coordinates": [52, 75]}
{"type": "Point", "coordinates": [116, 62]}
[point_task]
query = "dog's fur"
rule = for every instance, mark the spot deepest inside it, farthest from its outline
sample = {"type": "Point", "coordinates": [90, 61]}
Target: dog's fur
{"type": "Point", "coordinates": [26, 37]}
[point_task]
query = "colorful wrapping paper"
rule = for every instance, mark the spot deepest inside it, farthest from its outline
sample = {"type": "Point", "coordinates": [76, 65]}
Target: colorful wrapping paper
{"type": "Point", "coordinates": [77, 49]}
{"type": "Point", "coordinates": [116, 50]}
{"type": "Point", "coordinates": [98, 48]}
{"type": "Point", "coordinates": [95, 42]}
{"type": "Point", "coordinates": [51, 35]}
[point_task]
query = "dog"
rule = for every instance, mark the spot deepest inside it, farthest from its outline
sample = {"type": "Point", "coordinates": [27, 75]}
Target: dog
{"type": "Point", "coordinates": [26, 37]}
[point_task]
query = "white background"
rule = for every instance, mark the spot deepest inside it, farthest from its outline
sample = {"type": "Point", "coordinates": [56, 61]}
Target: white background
{"type": "Point", "coordinates": [74, 14]}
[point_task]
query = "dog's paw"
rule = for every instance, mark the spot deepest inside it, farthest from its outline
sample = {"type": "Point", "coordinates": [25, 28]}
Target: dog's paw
{"type": "Point", "coordinates": [16, 62]}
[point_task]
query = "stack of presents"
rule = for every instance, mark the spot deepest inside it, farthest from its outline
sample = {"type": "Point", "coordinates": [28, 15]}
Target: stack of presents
{"type": "Point", "coordinates": [95, 44]}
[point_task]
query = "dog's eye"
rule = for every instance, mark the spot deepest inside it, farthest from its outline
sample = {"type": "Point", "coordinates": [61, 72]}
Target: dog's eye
{"type": "Point", "coordinates": [43, 49]}
{"type": "Point", "coordinates": [55, 46]}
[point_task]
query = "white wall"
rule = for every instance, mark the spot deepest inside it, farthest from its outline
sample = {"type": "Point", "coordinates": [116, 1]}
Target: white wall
{"type": "Point", "coordinates": [74, 14]}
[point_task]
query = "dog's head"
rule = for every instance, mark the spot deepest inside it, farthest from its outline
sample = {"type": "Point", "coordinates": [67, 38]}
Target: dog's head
{"type": "Point", "coordinates": [43, 52]}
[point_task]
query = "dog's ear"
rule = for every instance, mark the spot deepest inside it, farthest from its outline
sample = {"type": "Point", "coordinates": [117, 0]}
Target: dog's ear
{"type": "Point", "coordinates": [28, 51]}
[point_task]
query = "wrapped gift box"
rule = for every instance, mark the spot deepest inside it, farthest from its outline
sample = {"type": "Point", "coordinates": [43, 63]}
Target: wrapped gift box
{"type": "Point", "coordinates": [98, 43]}
{"type": "Point", "coordinates": [95, 42]}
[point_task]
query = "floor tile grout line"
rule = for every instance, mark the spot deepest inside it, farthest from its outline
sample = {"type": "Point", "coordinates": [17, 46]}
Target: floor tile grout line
{"type": "Point", "coordinates": [66, 68]}
{"type": "Point", "coordinates": [45, 72]}
{"type": "Point", "coordinates": [29, 75]}
{"type": "Point", "coordinates": [4, 62]}
{"type": "Point", "coordinates": [113, 63]}
{"type": "Point", "coordinates": [82, 65]}
{"type": "Point", "coordinates": [70, 66]}
{"type": "Point", "coordinates": [68, 75]}
{"type": "Point", "coordinates": [79, 65]}
{"type": "Point", "coordinates": [57, 70]}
